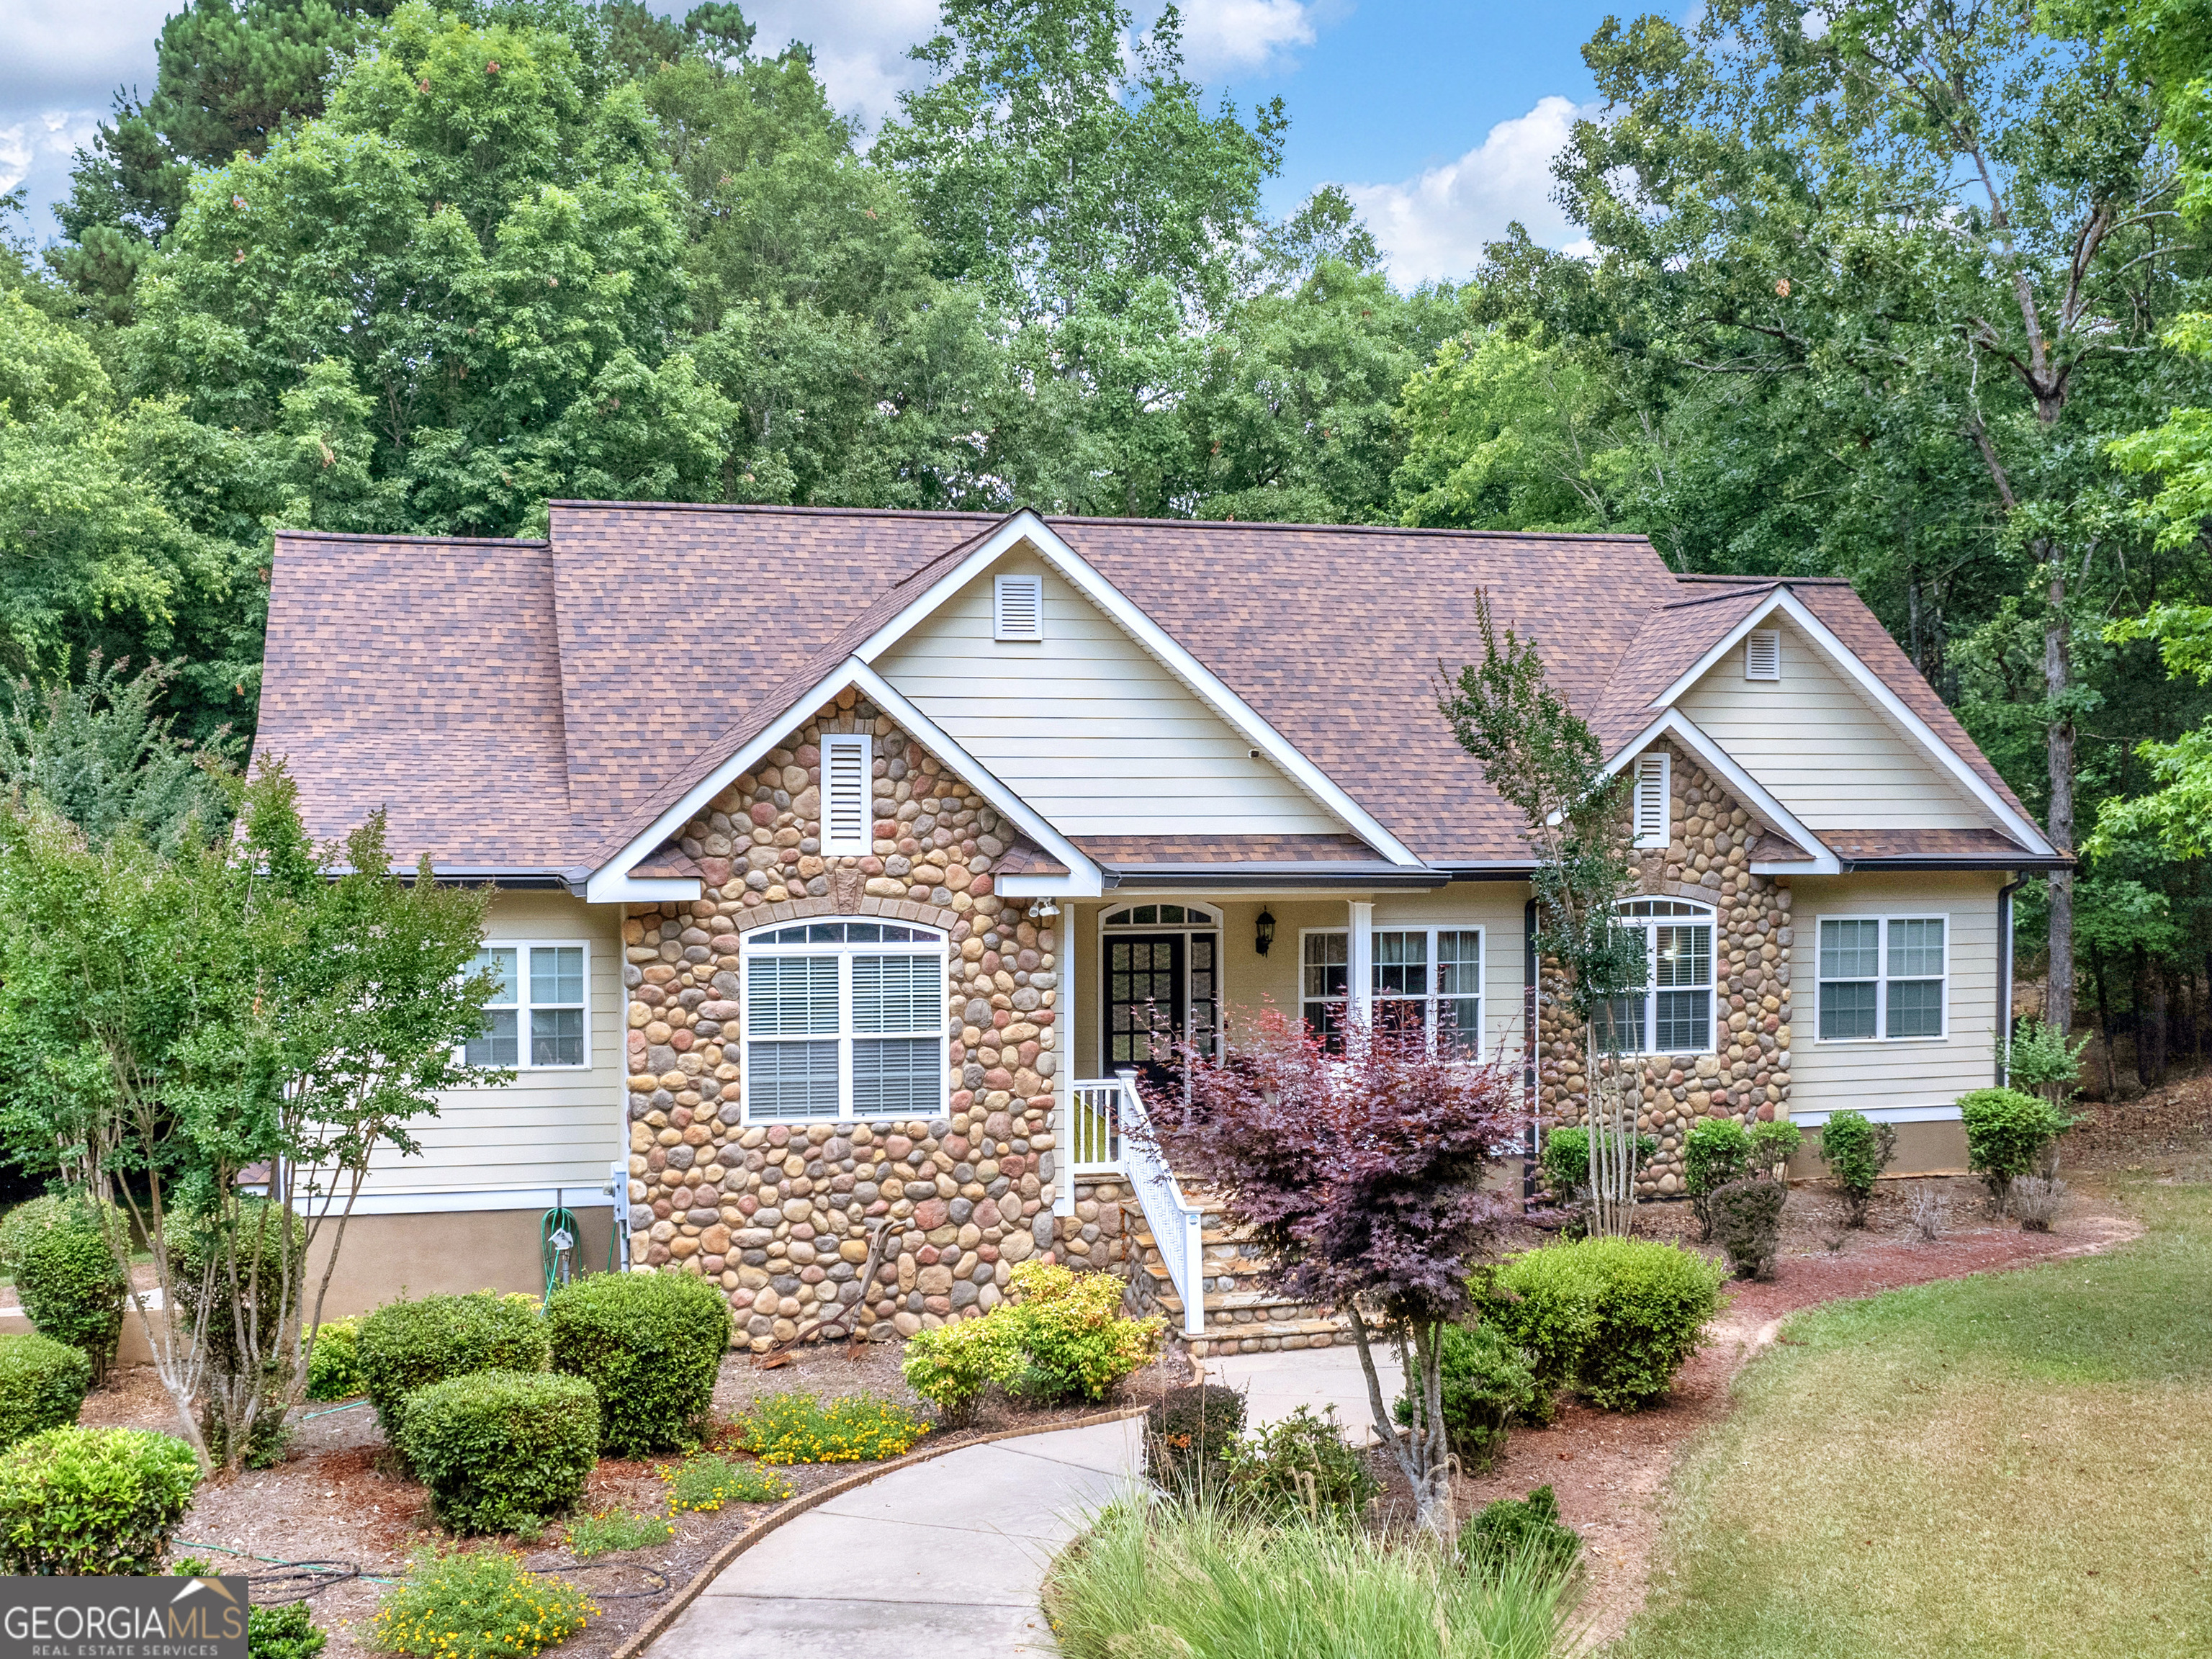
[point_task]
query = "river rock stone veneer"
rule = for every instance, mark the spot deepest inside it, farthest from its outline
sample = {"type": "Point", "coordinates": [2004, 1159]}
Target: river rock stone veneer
{"type": "Point", "coordinates": [1707, 858]}
{"type": "Point", "coordinates": [779, 1214]}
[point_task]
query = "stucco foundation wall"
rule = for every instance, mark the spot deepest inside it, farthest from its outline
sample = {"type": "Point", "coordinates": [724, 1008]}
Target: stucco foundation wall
{"type": "Point", "coordinates": [385, 1257]}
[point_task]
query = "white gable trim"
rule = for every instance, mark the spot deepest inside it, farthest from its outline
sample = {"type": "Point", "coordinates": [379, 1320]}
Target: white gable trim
{"type": "Point", "coordinates": [1873, 686]}
{"type": "Point", "coordinates": [1747, 789]}
{"type": "Point", "coordinates": [1025, 527]}
{"type": "Point", "coordinates": [612, 881]}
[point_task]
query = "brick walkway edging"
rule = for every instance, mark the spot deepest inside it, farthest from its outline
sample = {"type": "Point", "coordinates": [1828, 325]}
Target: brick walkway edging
{"type": "Point", "coordinates": [791, 1510]}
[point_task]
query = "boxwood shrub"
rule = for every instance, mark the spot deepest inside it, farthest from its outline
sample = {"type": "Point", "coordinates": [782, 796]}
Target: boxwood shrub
{"type": "Point", "coordinates": [1616, 1316]}
{"type": "Point", "coordinates": [501, 1451]}
{"type": "Point", "coordinates": [408, 1346]}
{"type": "Point", "coordinates": [1856, 1150]}
{"type": "Point", "coordinates": [1748, 1223]}
{"type": "Point", "coordinates": [86, 1502]}
{"type": "Point", "coordinates": [2008, 1133]}
{"type": "Point", "coordinates": [43, 1383]}
{"type": "Point", "coordinates": [1544, 1304]}
{"type": "Point", "coordinates": [1487, 1383]}
{"type": "Point", "coordinates": [334, 1367]}
{"type": "Point", "coordinates": [72, 1289]}
{"type": "Point", "coordinates": [651, 1345]}
{"type": "Point", "coordinates": [1716, 1152]}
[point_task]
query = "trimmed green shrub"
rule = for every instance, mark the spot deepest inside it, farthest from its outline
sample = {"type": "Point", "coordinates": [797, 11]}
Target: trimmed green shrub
{"type": "Point", "coordinates": [408, 1346]}
{"type": "Point", "coordinates": [1191, 1438]}
{"type": "Point", "coordinates": [1302, 1465]}
{"type": "Point", "coordinates": [1074, 1341]}
{"type": "Point", "coordinates": [1512, 1530]}
{"type": "Point", "coordinates": [477, 1604]}
{"type": "Point", "coordinates": [1545, 1302]}
{"type": "Point", "coordinates": [651, 1345]}
{"type": "Point", "coordinates": [43, 1384]}
{"type": "Point", "coordinates": [1617, 1316]}
{"type": "Point", "coordinates": [86, 1502]}
{"type": "Point", "coordinates": [1566, 1159]}
{"type": "Point", "coordinates": [707, 1482]}
{"type": "Point", "coordinates": [72, 1288]}
{"type": "Point", "coordinates": [800, 1428]}
{"type": "Point", "coordinates": [2008, 1133]}
{"type": "Point", "coordinates": [1773, 1144]}
{"type": "Point", "coordinates": [501, 1451]}
{"type": "Point", "coordinates": [1716, 1151]}
{"type": "Point", "coordinates": [285, 1632]}
{"type": "Point", "coordinates": [334, 1367]}
{"type": "Point", "coordinates": [952, 1365]}
{"type": "Point", "coordinates": [1748, 1223]}
{"type": "Point", "coordinates": [24, 1222]}
{"type": "Point", "coordinates": [1856, 1150]}
{"type": "Point", "coordinates": [1488, 1382]}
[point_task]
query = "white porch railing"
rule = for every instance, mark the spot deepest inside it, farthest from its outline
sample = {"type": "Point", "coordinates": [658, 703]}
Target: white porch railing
{"type": "Point", "coordinates": [1098, 1116]}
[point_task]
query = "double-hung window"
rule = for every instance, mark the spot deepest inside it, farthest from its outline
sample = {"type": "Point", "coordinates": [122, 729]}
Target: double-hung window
{"type": "Point", "coordinates": [1673, 1013]}
{"type": "Point", "coordinates": [534, 1020]}
{"type": "Point", "coordinates": [1882, 977]}
{"type": "Point", "coordinates": [1425, 978]}
{"type": "Point", "coordinates": [844, 1019]}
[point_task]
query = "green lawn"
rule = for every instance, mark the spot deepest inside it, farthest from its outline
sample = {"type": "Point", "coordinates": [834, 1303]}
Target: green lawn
{"type": "Point", "coordinates": [2017, 1465]}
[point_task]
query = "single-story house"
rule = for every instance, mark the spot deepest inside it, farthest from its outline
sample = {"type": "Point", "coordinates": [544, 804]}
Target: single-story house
{"type": "Point", "coordinates": [842, 858]}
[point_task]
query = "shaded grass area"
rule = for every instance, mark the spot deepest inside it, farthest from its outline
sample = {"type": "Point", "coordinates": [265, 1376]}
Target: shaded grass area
{"type": "Point", "coordinates": [2013, 1465]}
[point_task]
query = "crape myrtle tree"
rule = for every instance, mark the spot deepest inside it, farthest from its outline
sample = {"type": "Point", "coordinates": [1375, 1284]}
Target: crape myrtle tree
{"type": "Point", "coordinates": [1543, 759]}
{"type": "Point", "coordinates": [214, 1037]}
{"type": "Point", "coordinates": [1360, 1173]}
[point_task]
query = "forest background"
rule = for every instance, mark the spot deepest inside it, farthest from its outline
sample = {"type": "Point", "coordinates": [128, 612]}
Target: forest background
{"type": "Point", "coordinates": [1909, 293]}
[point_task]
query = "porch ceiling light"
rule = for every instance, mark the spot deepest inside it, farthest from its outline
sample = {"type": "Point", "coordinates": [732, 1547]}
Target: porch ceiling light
{"type": "Point", "coordinates": [1263, 933]}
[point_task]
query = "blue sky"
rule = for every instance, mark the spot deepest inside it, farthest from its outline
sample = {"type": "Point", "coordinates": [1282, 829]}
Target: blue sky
{"type": "Point", "coordinates": [1440, 117]}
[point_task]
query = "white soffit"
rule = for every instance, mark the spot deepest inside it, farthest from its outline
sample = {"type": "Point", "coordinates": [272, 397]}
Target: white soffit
{"type": "Point", "coordinates": [1945, 757]}
{"type": "Point", "coordinates": [1027, 528]}
{"type": "Point", "coordinates": [612, 881]}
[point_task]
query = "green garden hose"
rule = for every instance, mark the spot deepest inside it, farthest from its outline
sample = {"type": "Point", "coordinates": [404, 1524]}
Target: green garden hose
{"type": "Point", "coordinates": [556, 1247]}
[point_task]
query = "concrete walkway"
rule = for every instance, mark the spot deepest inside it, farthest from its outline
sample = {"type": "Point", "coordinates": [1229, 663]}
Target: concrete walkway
{"type": "Point", "coordinates": [1276, 1384]}
{"type": "Point", "coordinates": [943, 1560]}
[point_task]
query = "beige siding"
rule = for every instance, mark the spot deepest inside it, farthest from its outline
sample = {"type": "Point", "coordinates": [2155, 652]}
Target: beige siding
{"type": "Point", "coordinates": [548, 1128]}
{"type": "Point", "coordinates": [1251, 982]}
{"type": "Point", "coordinates": [1087, 727]}
{"type": "Point", "coordinates": [1917, 1074]}
{"type": "Point", "coordinates": [1825, 749]}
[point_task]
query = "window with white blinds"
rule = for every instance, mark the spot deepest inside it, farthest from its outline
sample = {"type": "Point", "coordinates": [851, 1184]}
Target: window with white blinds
{"type": "Point", "coordinates": [1017, 608]}
{"type": "Point", "coordinates": [1651, 800]}
{"type": "Point", "coordinates": [1673, 1014]}
{"type": "Point", "coordinates": [848, 776]}
{"type": "Point", "coordinates": [844, 1019]}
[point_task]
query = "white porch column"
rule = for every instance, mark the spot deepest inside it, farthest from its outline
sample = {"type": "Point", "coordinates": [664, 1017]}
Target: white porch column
{"type": "Point", "coordinates": [1063, 1083]}
{"type": "Point", "coordinates": [1359, 969]}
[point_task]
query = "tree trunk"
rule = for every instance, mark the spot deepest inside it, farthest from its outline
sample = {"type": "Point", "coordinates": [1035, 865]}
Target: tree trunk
{"type": "Point", "coordinates": [2139, 993]}
{"type": "Point", "coordinates": [2058, 669]}
{"type": "Point", "coordinates": [2105, 1021]}
{"type": "Point", "coordinates": [2159, 1001]}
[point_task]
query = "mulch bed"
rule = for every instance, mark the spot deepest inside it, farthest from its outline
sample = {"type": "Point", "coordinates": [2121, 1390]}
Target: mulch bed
{"type": "Point", "coordinates": [336, 1498]}
{"type": "Point", "coordinates": [1610, 1471]}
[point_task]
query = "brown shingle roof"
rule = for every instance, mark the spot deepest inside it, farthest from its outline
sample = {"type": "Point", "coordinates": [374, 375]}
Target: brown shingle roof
{"type": "Point", "coordinates": [1118, 850]}
{"type": "Point", "coordinates": [522, 705]}
{"type": "Point", "coordinates": [1872, 846]}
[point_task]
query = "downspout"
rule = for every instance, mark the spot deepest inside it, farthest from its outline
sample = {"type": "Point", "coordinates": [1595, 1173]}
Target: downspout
{"type": "Point", "coordinates": [2004, 973]}
{"type": "Point", "coordinates": [1529, 1044]}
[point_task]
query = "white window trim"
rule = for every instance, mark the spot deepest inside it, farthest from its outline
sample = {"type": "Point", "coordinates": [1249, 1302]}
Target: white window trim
{"type": "Point", "coordinates": [1108, 931]}
{"type": "Point", "coordinates": [847, 846]}
{"type": "Point", "coordinates": [1375, 998]}
{"type": "Point", "coordinates": [1704, 915]}
{"type": "Point", "coordinates": [1000, 585]}
{"type": "Point", "coordinates": [1661, 765]}
{"type": "Point", "coordinates": [523, 947]}
{"type": "Point", "coordinates": [1881, 979]}
{"type": "Point", "coordinates": [936, 948]}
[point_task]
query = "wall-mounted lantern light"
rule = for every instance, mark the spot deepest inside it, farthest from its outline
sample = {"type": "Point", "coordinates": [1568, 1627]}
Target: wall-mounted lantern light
{"type": "Point", "coordinates": [1263, 933]}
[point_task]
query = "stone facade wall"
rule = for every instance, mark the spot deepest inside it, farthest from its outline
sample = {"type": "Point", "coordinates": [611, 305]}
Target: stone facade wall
{"type": "Point", "coordinates": [779, 1214]}
{"type": "Point", "coordinates": [1708, 860]}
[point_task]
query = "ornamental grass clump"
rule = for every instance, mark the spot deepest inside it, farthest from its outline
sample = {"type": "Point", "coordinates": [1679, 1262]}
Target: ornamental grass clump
{"type": "Point", "coordinates": [707, 1482]}
{"type": "Point", "coordinates": [43, 1384]}
{"type": "Point", "coordinates": [650, 1344]}
{"type": "Point", "coordinates": [461, 1604]}
{"type": "Point", "coordinates": [801, 1428]}
{"type": "Point", "coordinates": [90, 1502]}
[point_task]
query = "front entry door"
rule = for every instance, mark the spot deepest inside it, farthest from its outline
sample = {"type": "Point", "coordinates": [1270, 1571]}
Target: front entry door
{"type": "Point", "coordinates": [1160, 989]}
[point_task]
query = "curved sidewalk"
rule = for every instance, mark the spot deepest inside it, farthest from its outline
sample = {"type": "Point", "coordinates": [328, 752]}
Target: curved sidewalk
{"type": "Point", "coordinates": [943, 1560]}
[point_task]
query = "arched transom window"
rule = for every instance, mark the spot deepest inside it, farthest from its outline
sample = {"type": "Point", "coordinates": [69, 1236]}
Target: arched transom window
{"type": "Point", "coordinates": [1674, 1013]}
{"type": "Point", "coordinates": [844, 1019]}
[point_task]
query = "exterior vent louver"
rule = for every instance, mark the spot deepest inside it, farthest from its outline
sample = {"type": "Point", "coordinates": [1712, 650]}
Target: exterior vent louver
{"type": "Point", "coordinates": [1651, 800]}
{"type": "Point", "coordinates": [847, 766]}
{"type": "Point", "coordinates": [1762, 654]}
{"type": "Point", "coordinates": [1017, 608]}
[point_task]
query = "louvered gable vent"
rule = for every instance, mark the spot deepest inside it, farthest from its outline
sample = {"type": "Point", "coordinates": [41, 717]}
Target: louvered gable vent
{"type": "Point", "coordinates": [1762, 654]}
{"type": "Point", "coordinates": [1017, 611]}
{"type": "Point", "coordinates": [846, 767]}
{"type": "Point", "coordinates": [1651, 800]}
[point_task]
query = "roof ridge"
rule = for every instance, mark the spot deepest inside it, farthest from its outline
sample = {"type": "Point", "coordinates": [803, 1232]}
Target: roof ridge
{"type": "Point", "coordinates": [1779, 581]}
{"type": "Point", "coordinates": [443, 541]}
{"type": "Point", "coordinates": [1724, 593]}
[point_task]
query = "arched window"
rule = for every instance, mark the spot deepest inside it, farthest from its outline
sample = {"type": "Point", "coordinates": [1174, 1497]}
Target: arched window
{"type": "Point", "coordinates": [1674, 1013]}
{"type": "Point", "coordinates": [1162, 915]}
{"type": "Point", "coordinates": [843, 1019]}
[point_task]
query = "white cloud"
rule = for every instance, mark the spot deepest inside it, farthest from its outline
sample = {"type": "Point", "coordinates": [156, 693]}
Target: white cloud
{"type": "Point", "coordinates": [1237, 36]}
{"type": "Point", "coordinates": [1434, 226]}
{"type": "Point", "coordinates": [73, 53]}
